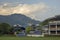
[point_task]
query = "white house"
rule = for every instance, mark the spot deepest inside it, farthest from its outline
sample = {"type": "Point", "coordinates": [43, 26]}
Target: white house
{"type": "Point", "coordinates": [53, 28]}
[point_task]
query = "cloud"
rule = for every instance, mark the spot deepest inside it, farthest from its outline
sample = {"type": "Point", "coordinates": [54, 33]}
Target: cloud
{"type": "Point", "coordinates": [26, 9]}
{"type": "Point", "coordinates": [22, 8]}
{"type": "Point", "coordinates": [51, 12]}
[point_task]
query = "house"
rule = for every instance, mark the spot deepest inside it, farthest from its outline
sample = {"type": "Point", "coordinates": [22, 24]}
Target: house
{"type": "Point", "coordinates": [35, 32]}
{"type": "Point", "coordinates": [53, 28]}
{"type": "Point", "coordinates": [19, 30]}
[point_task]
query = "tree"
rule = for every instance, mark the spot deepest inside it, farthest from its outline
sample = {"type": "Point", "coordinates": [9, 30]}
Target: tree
{"type": "Point", "coordinates": [28, 29]}
{"type": "Point", "coordinates": [4, 28]}
{"type": "Point", "coordinates": [45, 22]}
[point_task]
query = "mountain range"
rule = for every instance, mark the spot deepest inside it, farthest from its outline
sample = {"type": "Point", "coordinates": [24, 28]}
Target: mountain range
{"type": "Point", "coordinates": [55, 18]}
{"type": "Point", "coordinates": [17, 19]}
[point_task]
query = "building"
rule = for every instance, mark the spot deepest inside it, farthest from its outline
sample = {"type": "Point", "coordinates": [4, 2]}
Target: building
{"type": "Point", "coordinates": [35, 31]}
{"type": "Point", "coordinates": [53, 28]}
{"type": "Point", "coordinates": [19, 30]}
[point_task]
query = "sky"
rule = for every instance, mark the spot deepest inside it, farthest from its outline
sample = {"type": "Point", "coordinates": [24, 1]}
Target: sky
{"type": "Point", "coordinates": [36, 9]}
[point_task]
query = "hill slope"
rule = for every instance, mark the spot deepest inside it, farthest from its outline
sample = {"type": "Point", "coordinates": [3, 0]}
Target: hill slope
{"type": "Point", "coordinates": [17, 19]}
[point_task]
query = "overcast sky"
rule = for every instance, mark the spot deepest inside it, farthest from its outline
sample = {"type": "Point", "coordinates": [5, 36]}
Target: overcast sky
{"type": "Point", "coordinates": [36, 9]}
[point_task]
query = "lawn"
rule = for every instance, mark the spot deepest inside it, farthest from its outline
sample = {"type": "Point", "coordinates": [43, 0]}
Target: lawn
{"type": "Point", "coordinates": [29, 38]}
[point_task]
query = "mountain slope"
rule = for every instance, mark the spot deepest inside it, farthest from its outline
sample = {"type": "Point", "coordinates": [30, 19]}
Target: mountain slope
{"type": "Point", "coordinates": [17, 19]}
{"type": "Point", "coordinates": [55, 18]}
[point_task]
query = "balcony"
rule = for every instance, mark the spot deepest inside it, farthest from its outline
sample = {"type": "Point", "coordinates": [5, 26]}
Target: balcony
{"type": "Point", "coordinates": [58, 28]}
{"type": "Point", "coordinates": [53, 32]}
{"type": "Point", "coordinates": [52, 28]}
{"type": "Point", "coordinates": [58, 32]}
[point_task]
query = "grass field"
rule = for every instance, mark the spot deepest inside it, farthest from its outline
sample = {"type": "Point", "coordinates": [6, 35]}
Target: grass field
{"type": "Point", "coordinates": [29, 38]}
